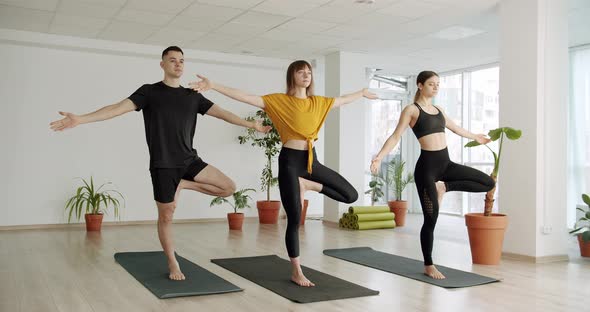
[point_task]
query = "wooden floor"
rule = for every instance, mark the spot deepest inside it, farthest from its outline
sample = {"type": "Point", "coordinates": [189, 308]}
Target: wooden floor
{"type": "Point", "coordinates": [69, 270]}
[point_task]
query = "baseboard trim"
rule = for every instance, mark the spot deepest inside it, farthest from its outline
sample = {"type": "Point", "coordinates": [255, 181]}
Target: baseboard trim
{"type": "Point", "coordinates": [121, 223]}
{"type": "Point", "coordinates": [531, 259]}
{"type": "Point", "coordinates": [109, 223]}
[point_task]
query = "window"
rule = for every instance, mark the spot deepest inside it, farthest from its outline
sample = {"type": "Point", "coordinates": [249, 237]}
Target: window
{"type": "Point", "coordinates": [470, 99]}
{"type": "Point", "coordinates": [383, 117]}
{"type": "Point", "coordinates": [578, 131]}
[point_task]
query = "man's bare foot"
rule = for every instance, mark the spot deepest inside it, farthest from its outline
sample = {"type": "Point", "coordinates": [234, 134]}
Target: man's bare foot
{"type": "Point", "coordinates": [431, 271]}
{"type": "Point", "coordinates": [300, 279]}
{"type": "Point", "coordinates": [175, 273]}
{"type": "Point", "coordinates": [441, 189]}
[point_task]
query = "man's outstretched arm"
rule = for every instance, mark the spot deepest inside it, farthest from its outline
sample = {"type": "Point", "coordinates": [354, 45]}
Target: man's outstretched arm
{"type": "Point", "coordinates": [110, 111]}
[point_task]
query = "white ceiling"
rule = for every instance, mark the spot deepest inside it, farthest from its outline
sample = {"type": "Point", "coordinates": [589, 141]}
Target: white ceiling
{"type": "Point", "coordinates": [398, 29]}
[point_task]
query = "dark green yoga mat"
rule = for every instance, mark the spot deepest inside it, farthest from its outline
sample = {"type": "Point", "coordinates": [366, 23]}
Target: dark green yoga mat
{"type": "Point", "coordinates": [407, 267]}
{"type": "Point", "coordinates": [274, 274]}
{"type": "Point", "coordinates": [151, 270]}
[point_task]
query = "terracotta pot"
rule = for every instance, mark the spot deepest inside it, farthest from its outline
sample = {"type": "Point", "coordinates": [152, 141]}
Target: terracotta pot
{"type": "Point", "coordinates": [93, 222]}
{"type": "Point", "coordinates": [486, 236]}
{"type": "Point", "coordinates": [235, 220]}
{"type": "Point", "coordinates": [304, 211]}
{"type": "Point", "coordinates": [268, 211]}
{"type": "Point", "coordinates": [400, 209]}
{"type": "Point", "coordinates": [584, 247]}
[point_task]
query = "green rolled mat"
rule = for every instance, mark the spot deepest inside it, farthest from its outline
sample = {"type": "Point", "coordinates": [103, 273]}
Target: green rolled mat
{"type": "Point", "coordinates": [367, 209]}
{"type": "Point", "coordinates": [372, 216]}
{"type": "Point", "coordinates": [369, 225]}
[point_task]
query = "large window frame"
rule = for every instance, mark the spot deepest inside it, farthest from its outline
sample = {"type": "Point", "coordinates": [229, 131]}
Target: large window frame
{"type": "Point", "coordinates": [465, 155]}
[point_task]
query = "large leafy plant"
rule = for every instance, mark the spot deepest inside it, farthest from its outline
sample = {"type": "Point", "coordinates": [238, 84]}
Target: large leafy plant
{"type": "Point", "coordinates": [582, 227]}
{"type": "Point", "coordinates": [92, 200]}
{"type": "Point", "coordinates": [240, 200]}
{"type": "Point", "coordinates": [495, 135]}
{"type": "Point", "coordinates": [395, 177]}
{"type": "Point", "coordinates": [375, 188]}
{"type": "Point", "coordinates": [270, 143]}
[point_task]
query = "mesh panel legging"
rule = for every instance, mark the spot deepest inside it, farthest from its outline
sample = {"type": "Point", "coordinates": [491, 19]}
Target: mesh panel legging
{"type": "Point", "coordinates": [433, 166]}
{"type": "Point", "coordinates": [292, 165]}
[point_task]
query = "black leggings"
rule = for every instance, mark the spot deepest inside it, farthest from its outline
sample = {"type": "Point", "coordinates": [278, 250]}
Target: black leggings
{"type": "Point", "coordinates": [433, 166]}
{"type": "Point", "coordinates": [292, 165]}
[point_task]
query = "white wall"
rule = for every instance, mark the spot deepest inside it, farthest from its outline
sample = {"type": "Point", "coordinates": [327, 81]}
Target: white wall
{"type": "Point", "coordinates": [46, 73]}
{"type": "Point", "coordinates": [533, 97]}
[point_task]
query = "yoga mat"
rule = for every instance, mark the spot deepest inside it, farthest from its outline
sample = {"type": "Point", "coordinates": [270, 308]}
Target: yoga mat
{"type": "Point", "coordinates": [381, 216]}
{"type": "Point", "coordinates": [151, 270]}
{"type": "Point", "coordinates": [407, 267]}
{"type": "Point", "coordinates": [367, 209]}
{"type": "Point", "coordinates": [369, 225]}
{"type": "Point", "coordinates": [274, 274]}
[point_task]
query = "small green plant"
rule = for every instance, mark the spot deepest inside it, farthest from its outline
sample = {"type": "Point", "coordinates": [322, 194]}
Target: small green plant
{"type": "Point", "coordinates": [240, 200]}
{"type": "Point", "coordinates": [91, 200]}
{"type": "Point", "coordinates": [582, 227]}
{"type": "Point", "coordinates": [395, 177]}
{"type": "Point", "coordinates": [494, 135]}
{"type": "Point", "coordinates": [375, 188]}
{"type": "Point", "coordinates": [270, 143]}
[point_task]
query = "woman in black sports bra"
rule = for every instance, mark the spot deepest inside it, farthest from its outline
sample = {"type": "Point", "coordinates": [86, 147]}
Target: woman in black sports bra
{"type": "Point", "coordinates": [435, 173]}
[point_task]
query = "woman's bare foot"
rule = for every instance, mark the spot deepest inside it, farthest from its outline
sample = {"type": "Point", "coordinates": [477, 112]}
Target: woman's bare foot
{"type": "Point", "coordinates": [300, 279]}
{"type": "Point", "coordinates": [441, 189]}
{"type": "Point", "coordinates": [308, 185]}
{"type": "Point", "coordinates": [431, 271]}
{"type": "Point", "coordinates": [175, 273]}
{"type": "Point", "coordinates": [297, 276]}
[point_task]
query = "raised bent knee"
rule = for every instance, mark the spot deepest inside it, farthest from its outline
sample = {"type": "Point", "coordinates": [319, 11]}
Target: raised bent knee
{"type": "Point", "coordinates": [351, 196]}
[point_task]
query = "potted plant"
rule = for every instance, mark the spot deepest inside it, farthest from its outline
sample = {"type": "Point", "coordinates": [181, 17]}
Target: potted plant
{"type": "Point", "coordinates": [396, 181]}
{"type": "Point", "coordinates": [486, 230]}
{"type": "Point", "coordinates": [235, 219]}
{"type": "Point", "coordinates": [268, 210]}
{"type": "Point", "coordinates": [94, 203]}
{"type": "Point", "coordinates": [375, 188]}
{"type": "Point", "coordinates": [582, 228]}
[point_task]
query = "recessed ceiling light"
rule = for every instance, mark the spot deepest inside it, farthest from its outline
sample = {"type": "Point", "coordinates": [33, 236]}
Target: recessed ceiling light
{"type": "Point", "coordinates": [456, 32]}
{"type": "Point", "coordinates": [246, 52]}
{"type": "Point", "coordinates": [364, 1]}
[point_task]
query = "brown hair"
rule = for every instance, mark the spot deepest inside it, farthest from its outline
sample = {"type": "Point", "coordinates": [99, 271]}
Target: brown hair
{"type": "Point", "coordinates": [422, 77]}
{"type": "Point", "coordinates": [293, 68]}
{"type": "Point", "coordinates": [171, 48]}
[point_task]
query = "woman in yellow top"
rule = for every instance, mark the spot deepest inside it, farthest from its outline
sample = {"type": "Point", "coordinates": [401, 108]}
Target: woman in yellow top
{"type": "Point", "coordinates": [298, 116]}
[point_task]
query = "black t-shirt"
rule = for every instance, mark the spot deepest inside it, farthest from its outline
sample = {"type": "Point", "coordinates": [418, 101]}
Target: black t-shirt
{"type": "Point", "coordinates": [170, 118]}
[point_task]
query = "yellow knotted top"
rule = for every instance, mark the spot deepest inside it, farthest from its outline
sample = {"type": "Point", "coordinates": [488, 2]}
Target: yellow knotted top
{"type": "Point", "coordinates": [298, 119]}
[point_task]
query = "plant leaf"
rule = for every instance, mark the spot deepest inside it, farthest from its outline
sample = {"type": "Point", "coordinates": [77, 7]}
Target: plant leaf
{"type": "Point", "coordinates": [472, 144]}
{"type": "Point", "coordinates": [512, 134]}
{"type": "Point", "coordinates": [495, 134]}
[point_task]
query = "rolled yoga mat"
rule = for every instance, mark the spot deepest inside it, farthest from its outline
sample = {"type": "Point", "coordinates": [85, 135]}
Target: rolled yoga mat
{"type": "Point", "coordinates": [370, 225]}
{"type": "Point", "coordinates": [151, 270]}
{"type": "Point", "coordinates": [407, 267]}
{"type": "Point", "coordinates": [367, 209]}
{"type": "Point", "coordinates": [274, 274]}
{"type": "Point", "coordinates": [380, 216]}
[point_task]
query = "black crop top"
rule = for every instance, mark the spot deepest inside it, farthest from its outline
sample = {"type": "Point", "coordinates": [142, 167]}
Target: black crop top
{"type": "Point", "coordinates": [428, 124]}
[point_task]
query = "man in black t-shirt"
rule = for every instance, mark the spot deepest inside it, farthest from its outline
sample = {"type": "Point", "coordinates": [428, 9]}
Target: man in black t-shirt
{"type": "Point", "coordinates": [170, 118]}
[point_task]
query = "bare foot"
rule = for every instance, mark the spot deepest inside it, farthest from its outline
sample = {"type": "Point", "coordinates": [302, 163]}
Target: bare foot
{"type": "Point", "coordinates": [431, 271]}
{"type": "Point", "coordinates": [300, 279]}
{"type": "Point", "coordinates": [441, 189]}
{"type": "Point", "coordinates": [302, 189]}
{"type": "Point", "coordinates": [175, 273]}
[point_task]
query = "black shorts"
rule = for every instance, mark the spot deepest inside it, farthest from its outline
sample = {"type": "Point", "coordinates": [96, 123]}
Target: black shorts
{"type": "Point", "coordinates": [165, 180]}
